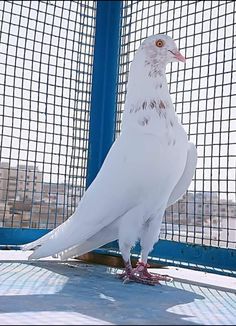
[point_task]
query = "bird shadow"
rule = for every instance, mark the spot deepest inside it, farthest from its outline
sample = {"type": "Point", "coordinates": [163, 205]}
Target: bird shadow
{"type": "Point", "coordinates": [91, 290]}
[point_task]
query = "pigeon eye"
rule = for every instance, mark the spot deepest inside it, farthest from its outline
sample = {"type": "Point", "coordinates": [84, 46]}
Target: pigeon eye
{"type": "Point", "coordinates": [159, 43]}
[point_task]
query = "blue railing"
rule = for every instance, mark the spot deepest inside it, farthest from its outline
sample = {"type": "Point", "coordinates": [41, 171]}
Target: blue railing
{"type": "Point", "coordinates": [104, 87]}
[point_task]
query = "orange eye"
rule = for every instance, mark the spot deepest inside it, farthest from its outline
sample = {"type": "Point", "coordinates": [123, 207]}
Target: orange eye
{"type": "Point", "coordinates": [159, 43]}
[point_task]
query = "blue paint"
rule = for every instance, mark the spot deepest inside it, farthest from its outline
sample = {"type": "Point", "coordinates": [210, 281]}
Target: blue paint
{"type": "Point", "coordinates": [104, 84]}
{"type": "Point", "coordinates": [165, 252]}
{"type": "Point", "coordinates": [176, 253]}
{"type": "Point", "coordinates": [16, 236]}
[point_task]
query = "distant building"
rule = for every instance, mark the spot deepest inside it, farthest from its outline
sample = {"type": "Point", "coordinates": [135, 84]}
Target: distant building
{"type": "Point", "coordinates": [41, 215]}
{"type": "Point", "coordinates": [61, 194]}
{"type": "Point", "coordinates": [27, 201]}
{"type": "Point", "coordinates": [20, 183]}
{"type": "Point", "coordinates": [200, 208]}
{"type": "Point", "coordinates": [4, 213]}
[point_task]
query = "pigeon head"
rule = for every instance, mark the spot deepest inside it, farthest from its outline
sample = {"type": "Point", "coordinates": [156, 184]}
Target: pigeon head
{"type": "Point", "coordinates": [147, 71]}
{"type": "Point", "coordinates": [160, 49]}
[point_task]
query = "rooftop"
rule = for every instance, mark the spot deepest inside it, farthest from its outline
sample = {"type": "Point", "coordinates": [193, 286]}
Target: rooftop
{"type": "Point", "coordinates": [53, 292]}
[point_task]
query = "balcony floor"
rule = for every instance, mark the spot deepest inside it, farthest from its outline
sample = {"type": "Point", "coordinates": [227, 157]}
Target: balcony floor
{"type": "Point", "coordinates": [51, 292]}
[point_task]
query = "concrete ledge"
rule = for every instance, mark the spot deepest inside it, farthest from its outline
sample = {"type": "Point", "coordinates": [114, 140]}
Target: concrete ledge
{"type": "Point", "coordinates": [52, 292]}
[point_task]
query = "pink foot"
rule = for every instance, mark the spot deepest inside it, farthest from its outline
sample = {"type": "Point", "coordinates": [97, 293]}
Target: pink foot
{"type": "Point", "coordinates": [127, 272]}
{"type": "Point", "coordinates": [140, 274]}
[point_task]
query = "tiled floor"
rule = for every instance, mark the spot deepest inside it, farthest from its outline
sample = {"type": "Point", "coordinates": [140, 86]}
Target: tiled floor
{"type": "Point", "coordinates": [75, 293]}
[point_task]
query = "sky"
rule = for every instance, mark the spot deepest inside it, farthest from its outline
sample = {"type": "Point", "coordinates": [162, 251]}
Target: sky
{"type": "Point", "coordinates": [46, 56]}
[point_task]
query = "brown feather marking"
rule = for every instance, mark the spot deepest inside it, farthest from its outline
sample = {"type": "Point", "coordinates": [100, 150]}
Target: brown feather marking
{"type": "Point", "coordinates": [153, 104]}
{"type": "Point", "coordinates": [144, 105]}
{"type": "Point", "coordinates": [161, 105]}
{"type": "Point", "coordinates": [144, 122]}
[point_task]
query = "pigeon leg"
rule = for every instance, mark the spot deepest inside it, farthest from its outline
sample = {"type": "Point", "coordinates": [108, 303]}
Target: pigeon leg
{"type": "Point", "coordinates": [127, 272]}
{"type": "Point", "coordinates": [150, 232]}
{"type": "Point", "coordinates": [127, 239]}
{"type": "Point", "coordinates": [125, 251]}
{"type": "Point", "coordinates": [140, 274]}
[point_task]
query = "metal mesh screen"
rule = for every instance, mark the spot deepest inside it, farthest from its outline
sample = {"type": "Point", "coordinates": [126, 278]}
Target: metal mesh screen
{"type": "Point", "coordinates": [46, 58]}
{"type": "Point", "coordinates": [203, 92]}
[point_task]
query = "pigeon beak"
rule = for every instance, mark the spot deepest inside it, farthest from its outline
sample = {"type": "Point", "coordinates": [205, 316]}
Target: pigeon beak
{"type": "Point", "coordinates": [179, 56]}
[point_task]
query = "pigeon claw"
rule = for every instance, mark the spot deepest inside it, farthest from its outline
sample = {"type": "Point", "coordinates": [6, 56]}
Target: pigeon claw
{"type": "Point", "coordinates": [128, 270]}
{"type": "Point", "coordinates": [141, 275]}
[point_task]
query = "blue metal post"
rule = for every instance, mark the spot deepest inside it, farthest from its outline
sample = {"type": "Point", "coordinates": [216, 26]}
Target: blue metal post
{"type": "Point", "coordinates": [104, 84]}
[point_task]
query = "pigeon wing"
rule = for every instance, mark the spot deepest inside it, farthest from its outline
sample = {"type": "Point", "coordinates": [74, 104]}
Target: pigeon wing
{"type": "Point", "coordinates": [105, 200]}
{"type": "Point", "coordinates": [186, 177]}
{"type": "Point", "coordinates": [107, 234]}
{"type": "Point", "coordinates": [110, 232]}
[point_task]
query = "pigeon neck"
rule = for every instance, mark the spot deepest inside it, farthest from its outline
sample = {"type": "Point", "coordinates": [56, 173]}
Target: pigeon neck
{"type": "Point", "coordinates": [146, 81]}
{"type": "Point", "coordinates": [147, 98]}
{"type": "Point", "coordinates": [143, 88]}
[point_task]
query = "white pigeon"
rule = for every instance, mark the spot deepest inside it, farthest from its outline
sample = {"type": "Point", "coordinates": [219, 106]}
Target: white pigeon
{"type": "Point", "coordinates": [149, 167]}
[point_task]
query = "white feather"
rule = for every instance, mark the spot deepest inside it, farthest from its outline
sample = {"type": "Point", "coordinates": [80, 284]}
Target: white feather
{"type": "Point", "coordinates": [186, 178]}
{"type": "Point", "coordinates": [149, 167]}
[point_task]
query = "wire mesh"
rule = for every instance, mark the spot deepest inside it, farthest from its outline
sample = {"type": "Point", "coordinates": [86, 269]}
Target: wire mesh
{"type": "Point", "coordinates": [45, 87]}
{"type": "Point", "coordinates": [45, 84]}
{"type": "Point", "coordinates": [203, 93]}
